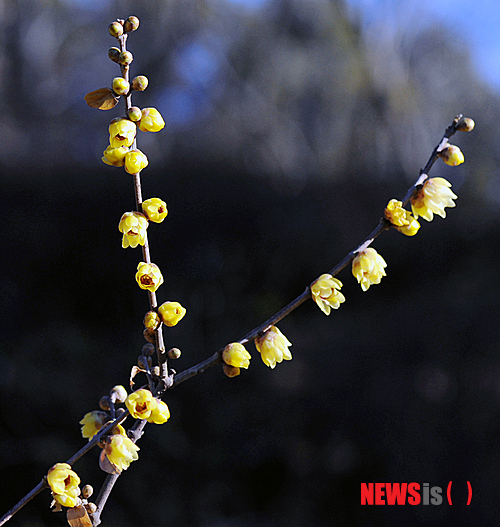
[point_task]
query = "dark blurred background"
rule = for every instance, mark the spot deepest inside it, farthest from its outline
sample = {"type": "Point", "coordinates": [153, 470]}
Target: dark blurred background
{"type": "Point", "coordinates": [290, 124]}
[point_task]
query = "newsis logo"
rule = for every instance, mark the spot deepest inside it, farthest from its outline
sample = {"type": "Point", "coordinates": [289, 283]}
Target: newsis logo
{"type": "Point", "coordinates": [407, 494]}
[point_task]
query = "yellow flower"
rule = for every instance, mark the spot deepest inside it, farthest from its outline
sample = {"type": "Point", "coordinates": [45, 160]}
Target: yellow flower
{"type": "Point", "coordinates": [120, 86]}
{"type": "Point", "coordinates": [171, 313]}
{"type": "Point", "coordinates": [61, 478]}
{"type": "Point", "coordinates": [412, 228]}
{"type": "Point", "coordinates": [236, 355]}
{"type": "Point", "coordinates": [148, 276]}
{"type": "Point", "coordinates": [68, 499]}
{"type": "Point", "coordinates": [326, 293]}
{"type": "Point", "coordinates": [114, 156]}
{"type": "Point", "coordinates": [451, 155]}
{"type": "Point", "coordinates": [273, 347]}
{"type": "Point", "coordinates": [395, 213]}
{"type": "Point", "coordinates": [151, 120]}
{"type": "Point", "coordinates": [135, 161]}
{"type": "Point", "coordinates": [121, 132]}
{"type": "Point", "coordinates": [92, 422]}
{"type": "Point", "coordinates": [141, 403]}
{"type": "Point", "coordinates": [160, 415]}
{"type": "Point", "coordinates": [133, 225]}
{"type": "Point", "coordinates": [155, 209]}
{"type": "Point", "coordinates": [368, 268]}
{"type": "Point", "coordinates": [121, 451]}
{"type": "Point", "coordinates": [434, 195]}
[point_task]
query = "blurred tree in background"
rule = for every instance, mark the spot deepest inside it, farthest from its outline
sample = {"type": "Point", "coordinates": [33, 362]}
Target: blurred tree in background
{"type": "Point", "coordinates": [290, 125]}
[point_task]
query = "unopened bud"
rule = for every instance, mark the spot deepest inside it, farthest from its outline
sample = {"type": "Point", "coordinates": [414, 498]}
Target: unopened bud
{"type": "Point", "coordinates": [230, 371]}
{"type": "Point", "coordinates": [131, 24]}
{"type": "Point", "coordinates": [148, 349]}
{"type": "Point", "coordinates": [114, 54]}
{"type": "Point", "coordinates": [174, 353]}
{"type": "Point", "coordinates": [134, 113]}
{"type": "Point", "coordinates": [105, 403]}
{"type": "Point", "coordinates": [90, 507]}
{"type": "Point", "coordinates": [118, 393]}
{"type": "Point", "coordinates": [149, 335]}
{"type": "Point", "coordinates": [466, 124]}
{"type": "Point", "coordinates": [115, 29]}
{"type": "Point", "coordinates": [87, 491]}
{"type": "Point", "coordinates": [152, 320]}
{"type": "Point", "coordinates": [120, 86]}
{"type": "Point", "coordinates": [452, 155]}
{"type": "Point", "coordinates": [140, 83]}
{"type": "Point", "coordinates": [125, 58]}
{"type": "Point", "coordinates": [144, 362]}
{"type": "Point", "coordinates": [156, 371]}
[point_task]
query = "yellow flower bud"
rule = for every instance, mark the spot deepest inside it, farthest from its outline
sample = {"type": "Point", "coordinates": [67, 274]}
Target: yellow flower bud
{"type": "Point", "coordinates": [395, 213]}
{"type": "Point", "coordinates": [121, 132]}
{"type": "Point", "coordinates": [92, 422]}
{"type": "Point", "coordinates": [141, 403]}
{"type": "Point", "coordinates": [114, 156]}
{"type": "Point", "coordinates": [151, 120]}
{"type": "Point", "coordinates": [68, 499]}
{"type": "Point", "coordinates": [155, 209]}
{"type": "Point", "coordinates": [368, 268]}
{"type": "Point", "coordinates": [236, 355]}
{"type": "Point", "coordinates": [133, 225]}
{"type": "Point", "coordinates": [160, 415]}
{"type": "Point", "coordinates": [326, 293]}
{"type": "Point", "coordinates": [134, 113]}
{"type": "Point", "coordinates": [148, 276]}
{"type": "Point", "coordinates": [115, 29]}
{"type": "Point", "coordinates": [135, 161]}
{"type": "Point", "coordinates": [452, 155]}
{"type": "Point", "coordinates": [466, 124]}
{"type": "Point", "coordinates": [171, 313]}
{"type": "Point", "coordinates": [273, 347]}
{"type": "Point", "coordinates": [120, 451]}
{"type": "Point", "coordinates": [125, 58]}
{"type": "Point", "coordinates": [412, 228]}
{"type": "Point", "coordinates": [432, 198]}
{"type": "Point", "coordinates": [131, 24]}
{"type": "Point", "coordinates": [152, 320]}
{"type": "Point", "coordinates": [174, 353]}
{"type": "Point", "coordinates": [140, 83]}
{"type": "Point", "coordinates": [120, 86]}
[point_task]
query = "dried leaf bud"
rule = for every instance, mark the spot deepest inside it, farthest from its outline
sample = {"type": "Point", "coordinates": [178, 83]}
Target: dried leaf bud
{"type": "Point", "coordinates": [466, 124]}
{"type": "Point", "coordinates": [131, 24]}
{"type": "Point", "coordinates": [140, 83]}
{"type": "Point", "coordinates": [114, 54]}
{"type": "Point", "coordinates": [115, 29]}
{"type": "Point", "coordinates": [148, 349]}
{"type": "Point", "coordinates": [91, 507]}
{"type": "Point", "coordinates": [174, 353]}
{"type": "Point", "coordinates": [87, 491]}
{"type": "Point", "coordinates": [152, 320]}
{"type": "Point", "coordinates": [120, 86]}
{"type": "Point", "coordinates": [230, 371]}
{"type": "Point", "coordinates": [125, 58]}
{"type": "Point", "coordinates": [149, 335]}
{"type": "Point", "coordinates": [105, 403]}
{"type": "Point", "coordinates": [134, 113]}
{"type": "Point", "coordinates": [118, 393]}
{"type": "Point", "coordinates": [144, 362]}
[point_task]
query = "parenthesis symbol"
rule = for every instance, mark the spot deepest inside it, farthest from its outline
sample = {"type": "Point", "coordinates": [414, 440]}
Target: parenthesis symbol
{"type": "Point", "coordinates": [469, 496]}
{"type": "Point", "coordinates": [448, 493]}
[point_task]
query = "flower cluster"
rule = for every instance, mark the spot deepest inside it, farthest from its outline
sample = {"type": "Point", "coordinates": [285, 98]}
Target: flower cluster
{"type": "Point", "coordinates": [63, 483]}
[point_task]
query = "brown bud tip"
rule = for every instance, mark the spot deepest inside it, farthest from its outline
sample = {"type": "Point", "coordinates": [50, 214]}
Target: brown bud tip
{"type": "Point", "coordinates": [114, 54]}
{"type": "Point", "coordinates": [466, 124]}
{"type": "Point", "coordinates": [87, 491]}
{"type": "Point", "coordinates": [230, 371]}
{"type": "Point", "coordinates": [105, 403]}
{"type": "Point", "coordinates": [131, 24]}
{"type": "Point", "coordinates": [115, 29]}
{"type": "Point", "coordinates": [140, 83]}
{"type": "Point", "coordinates": [174, 353]}
{"type": "Point", "coordinates": [149, 335]}
{"type": "Point", "coordinates": [148, 349]}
